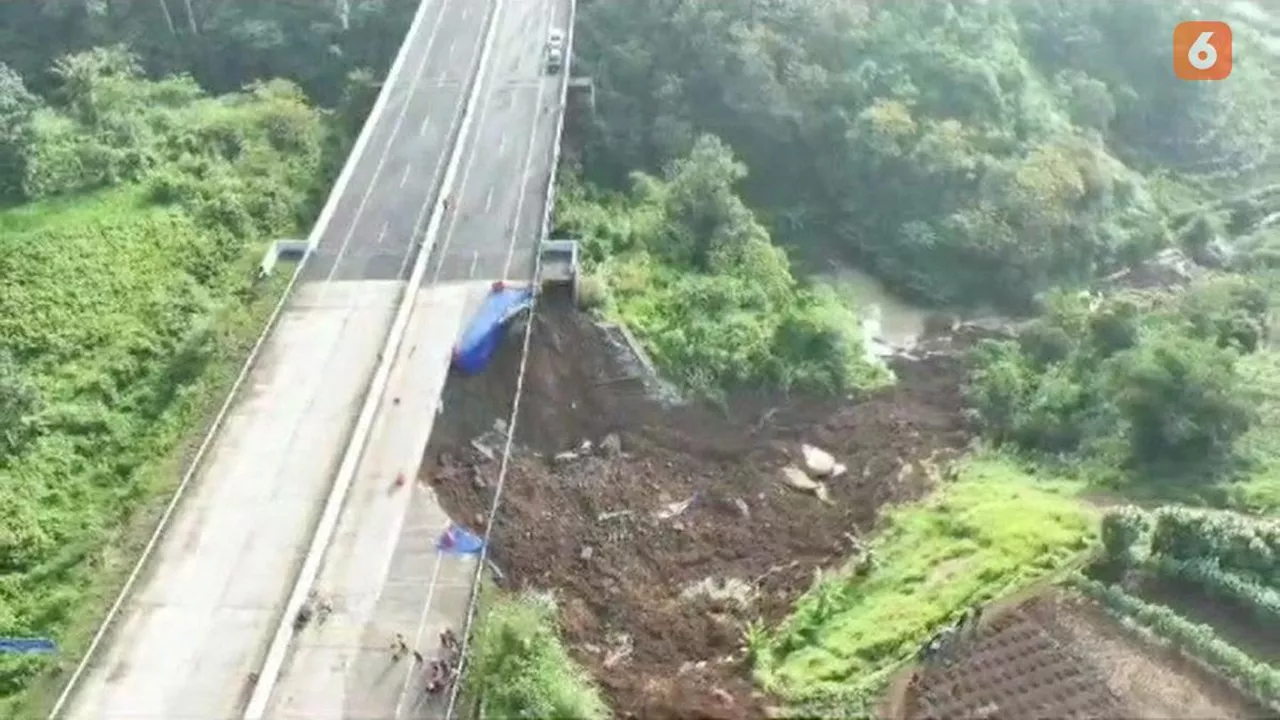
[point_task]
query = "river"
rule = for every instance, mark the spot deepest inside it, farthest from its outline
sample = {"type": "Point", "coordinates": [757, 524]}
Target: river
{"type": "Point", "coordinates": [889, 323]}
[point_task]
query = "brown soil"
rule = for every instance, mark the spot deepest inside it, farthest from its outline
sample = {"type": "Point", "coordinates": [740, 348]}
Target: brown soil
{"type": "Point", "coordinates": [1060, 656]}
{"type": "Point", "coordinates": [589, 527]}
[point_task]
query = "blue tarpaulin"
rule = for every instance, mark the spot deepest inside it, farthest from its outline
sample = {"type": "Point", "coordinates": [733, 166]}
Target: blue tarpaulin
{"type": "Point", "coordinates": [458, 540]}
{"type": "Point", "coordinates": [487, 328]}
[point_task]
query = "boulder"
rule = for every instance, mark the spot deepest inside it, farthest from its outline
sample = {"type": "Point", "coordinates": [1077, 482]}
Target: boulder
{"type": "Point", "coordinates": [818, 461]}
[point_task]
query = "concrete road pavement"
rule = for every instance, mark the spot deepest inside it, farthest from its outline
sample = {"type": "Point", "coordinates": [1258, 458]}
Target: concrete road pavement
{"type": "Point", "coordinates": [382, 572]}
{"type": "Point", "coordinates": [376, 228]}
{"type": "Point", "coordinates": [188, 637]}
{"type": "Point", "coordinates": [492, 227]}
{"type": "Point", "coordinates": [382, 561]}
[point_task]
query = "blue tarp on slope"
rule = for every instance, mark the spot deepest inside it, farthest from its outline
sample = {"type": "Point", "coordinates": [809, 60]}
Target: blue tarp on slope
{"type": "Point", "coordinates": [457, 540]}
{"type": "Point", "coordinates": [487, 328]}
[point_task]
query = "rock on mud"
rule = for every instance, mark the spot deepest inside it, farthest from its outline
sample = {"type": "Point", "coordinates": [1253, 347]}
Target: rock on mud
{"type": "Point", "coordinates": [818, 461]}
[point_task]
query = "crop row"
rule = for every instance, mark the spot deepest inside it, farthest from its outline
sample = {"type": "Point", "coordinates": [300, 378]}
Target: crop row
{"type": "Point", "coordinates": [1261, 601]}
{"type": "Point", "coordinates": [1194, 639]}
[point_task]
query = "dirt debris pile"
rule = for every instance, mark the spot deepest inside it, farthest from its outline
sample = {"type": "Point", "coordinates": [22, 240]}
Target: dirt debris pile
{"type": "Point", "coordinates": [664, 531]}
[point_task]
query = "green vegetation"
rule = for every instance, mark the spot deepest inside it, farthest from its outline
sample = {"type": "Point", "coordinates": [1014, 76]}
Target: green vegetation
{"type": "Point", "coordinates": [135, 202]}
{"type": "Point", "coordinates": [1260, 601]}
{"type": "Point", "coordinates": [683, 262]}
{"type": "Point", "coordinates": [520, 669]}
{"type": "Point", "coordinates": [223, 44]}
{"type": "Point", "coordinates": [965, 152]}
{"type": "Point", "coordinates": [1144, 381]}
{"type": "Point", "coordinates": [991, 532]}
{"type": "Point", "coordinates": [1223, 557]}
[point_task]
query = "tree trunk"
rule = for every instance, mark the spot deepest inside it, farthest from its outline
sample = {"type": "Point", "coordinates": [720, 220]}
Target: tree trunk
{"type": "Point", "coordinates": [191, 19]}
{"type": "Point", "coordinates": [168, 19]}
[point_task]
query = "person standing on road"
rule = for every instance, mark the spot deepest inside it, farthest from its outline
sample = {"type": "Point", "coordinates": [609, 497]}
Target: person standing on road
{"type": "Point", "coordinates": [398, 647]}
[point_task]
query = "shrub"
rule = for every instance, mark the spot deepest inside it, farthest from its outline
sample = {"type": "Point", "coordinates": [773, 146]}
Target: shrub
{"type": "Point", "coordinates": [1121, 531]}
{"type": "Point", "coordinates": [520, 669]}
{"type": "Point", "coordinates": [1237, 543]}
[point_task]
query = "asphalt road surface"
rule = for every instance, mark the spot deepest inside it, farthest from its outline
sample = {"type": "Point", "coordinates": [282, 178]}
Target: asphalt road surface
{"type": "Point", "coordinates": [379, 222]}
{"type": "Point", "coordinates": [493, 225]}
{"type": "Point", "coordinates": [188, 636]}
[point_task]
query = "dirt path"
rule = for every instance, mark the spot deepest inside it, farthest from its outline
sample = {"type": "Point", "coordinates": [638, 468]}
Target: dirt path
{"type": "Point", "coordinates": [674, 530]}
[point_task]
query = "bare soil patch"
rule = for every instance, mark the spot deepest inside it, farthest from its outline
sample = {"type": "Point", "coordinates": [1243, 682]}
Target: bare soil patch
{"type": "Point", "coordinates": [673, 528]}
{"type": "Point", "coordinates": [1061, 656]}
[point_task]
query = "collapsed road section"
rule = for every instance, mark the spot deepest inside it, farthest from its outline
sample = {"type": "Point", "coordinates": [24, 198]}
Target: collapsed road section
{"type": "Point", "coordinates": [663, 530]}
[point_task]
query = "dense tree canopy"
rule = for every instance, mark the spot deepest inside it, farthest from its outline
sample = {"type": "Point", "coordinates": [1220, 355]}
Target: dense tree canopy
{"type": "Point", "coordinates": [1157, 372]}
{"type": "Point", "coordinates": [223, 44]}
{"type": "Point", "coordinates": [968, 152]}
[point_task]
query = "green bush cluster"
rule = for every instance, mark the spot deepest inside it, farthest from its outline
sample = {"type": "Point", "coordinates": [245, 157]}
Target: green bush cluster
{"type": "Point", "coordinates": [519, 668]}
{"type": "Point", "coordinates": [686, 265]}
{"type": "Point", "coordinates": [1122, 531]}
{"type": "Point", "coordinates": [1237, 543]}
{"type": "Point", "coordinates": [1146, 381]}
{"type": "Point", "coordinates": [1195, 639]}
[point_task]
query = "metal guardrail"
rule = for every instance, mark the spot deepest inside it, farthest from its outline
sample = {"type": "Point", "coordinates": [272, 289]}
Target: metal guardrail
{"type": "Point", "coordinates": [273, 665]}
{"type": "Point", "coordinates": [313, 241]}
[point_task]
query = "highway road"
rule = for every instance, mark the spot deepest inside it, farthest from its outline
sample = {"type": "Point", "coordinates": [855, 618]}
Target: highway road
{"type": "Point", "coordinates": [382, 572]}
{"type": "Point", "coordinates": [492, 225]}
{"type": "Point", "coordinates": [185, 641]}
{"type": "Point", "coordinates": [377, 226]}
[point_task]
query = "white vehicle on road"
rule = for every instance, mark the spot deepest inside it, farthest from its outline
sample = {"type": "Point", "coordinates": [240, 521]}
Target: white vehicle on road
{"type": "Point", "coordinates": [555, 50]}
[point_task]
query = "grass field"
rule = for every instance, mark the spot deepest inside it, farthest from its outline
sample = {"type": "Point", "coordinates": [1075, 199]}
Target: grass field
{"type": "Point", "coordinates": [130, 321]}
{"type": "Point", "coordinates": [989, 533]}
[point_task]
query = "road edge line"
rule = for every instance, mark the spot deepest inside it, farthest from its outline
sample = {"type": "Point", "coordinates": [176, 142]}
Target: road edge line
{"type": "Point", "coordinates": [547, 211]}
{"type": "Point", "coordinates": [317, 231]}
{"type": "Point", "coordinates": [274, 663]}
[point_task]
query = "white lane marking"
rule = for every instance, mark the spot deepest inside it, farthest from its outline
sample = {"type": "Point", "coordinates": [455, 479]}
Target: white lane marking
{"type": "Point", "coordinates": [382, 159]}
{"type": "Point", "coordinates": [502, 144]}
{"type": "Point", "coordinates": [466, 10]}
{"type": "Point", "coordinates": [405, 177]}
{"type": "Point", "coordinates": [283, 637]}
{"type": "Point", "coordinates": [491, 89]}
{"type": "Point", "coordinates": [475, 261]}
{"type": "Point", "coordinates": [524, 177]}
{"type": "Point", "coordinates": [478, 50]}
{"type": "Point", "coordinates": [426, 121]}
{"type": "Point", "coordinates": [453, 45]}
{"type": "Point", "coordinates": [417, 636]}
{"type": "Point", "coordinates": [488, 200]}
{"type": "Point", "coordinates": [383, 232]}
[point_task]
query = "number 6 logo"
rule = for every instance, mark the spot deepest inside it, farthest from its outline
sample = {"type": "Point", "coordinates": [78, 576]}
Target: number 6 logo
{"type": "Point", "coordinates": [1202, 50]}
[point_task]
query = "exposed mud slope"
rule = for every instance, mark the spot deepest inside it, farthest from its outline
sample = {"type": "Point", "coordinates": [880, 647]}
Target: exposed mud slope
{"type": "Point", "coordinates": [606, 531]}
